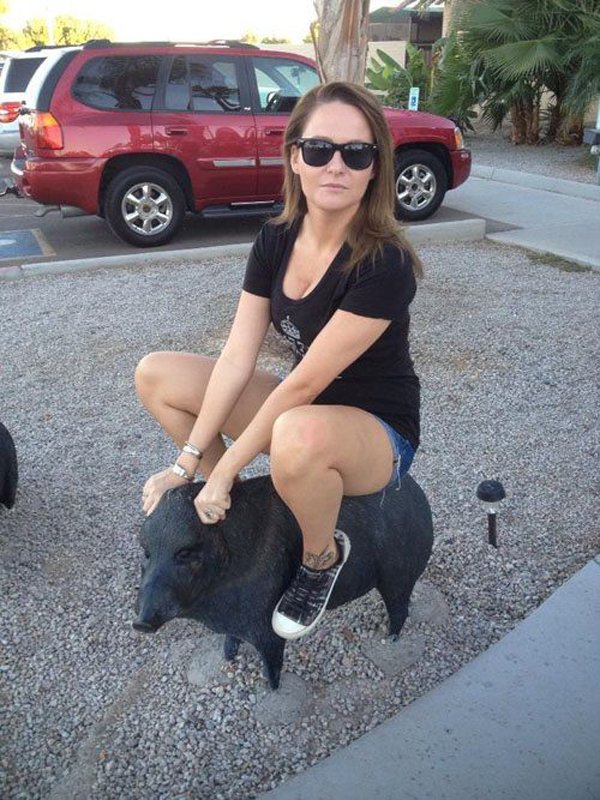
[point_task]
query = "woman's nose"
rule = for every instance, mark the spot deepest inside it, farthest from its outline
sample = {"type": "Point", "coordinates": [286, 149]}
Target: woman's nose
{"type": "Point", "coordinates": [337, 162]}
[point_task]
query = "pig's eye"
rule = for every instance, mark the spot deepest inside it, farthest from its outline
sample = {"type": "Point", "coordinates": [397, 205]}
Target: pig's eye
{"type": "Point", "coordinates": [188, 555]}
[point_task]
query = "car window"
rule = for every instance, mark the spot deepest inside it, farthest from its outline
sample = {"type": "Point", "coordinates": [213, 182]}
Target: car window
{"type": "Point", "coordinates": [19, 72]}
{"type": "Point", "coordinates": [201, 83]}
{"type": "Point", "coordinates": [281, 81]}
{"type": "Point", "coordinates": [118, 82]}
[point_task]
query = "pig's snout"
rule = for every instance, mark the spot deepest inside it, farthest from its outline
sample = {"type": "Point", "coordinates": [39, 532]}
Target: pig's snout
{"type": "Point", "coordinates": [144, 627]}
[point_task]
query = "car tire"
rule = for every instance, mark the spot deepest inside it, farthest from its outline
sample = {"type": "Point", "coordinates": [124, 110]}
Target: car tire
{"type": "Point", "coordinates": [144, 206]}
{"type": "Point", "coordinates": [420, 184]}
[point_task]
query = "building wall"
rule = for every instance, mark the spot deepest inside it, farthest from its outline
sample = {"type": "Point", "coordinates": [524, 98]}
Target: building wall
{"type": "Point", "coordinates": [396, 50]}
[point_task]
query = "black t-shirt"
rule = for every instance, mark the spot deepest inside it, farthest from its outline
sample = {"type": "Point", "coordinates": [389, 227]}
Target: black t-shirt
{"type": "Point", "coordinates": [382, 380]}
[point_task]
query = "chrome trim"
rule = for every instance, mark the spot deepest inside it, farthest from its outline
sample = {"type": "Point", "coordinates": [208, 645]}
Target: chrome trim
{"type": "Point", "coordinates": [234, 162]}
{"type": "Point", "coordinates": [252, 203]}
{"type": "Point", "coordinates": [271, 162]}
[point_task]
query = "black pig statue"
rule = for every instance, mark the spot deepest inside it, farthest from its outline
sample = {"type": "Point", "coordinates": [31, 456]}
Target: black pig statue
{"type": "Point", "coordinates": [231, 575]}
{"type": "Point", "coordinates": [9, 473]}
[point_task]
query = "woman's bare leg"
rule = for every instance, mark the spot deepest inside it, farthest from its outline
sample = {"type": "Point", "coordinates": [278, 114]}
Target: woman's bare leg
{"type": "Point", "coordinates": [319, 454]}
{"type": "Point", "coordinates": [171, 387]}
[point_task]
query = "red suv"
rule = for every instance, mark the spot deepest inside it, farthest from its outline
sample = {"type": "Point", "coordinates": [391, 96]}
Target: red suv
{"type": "Point", "coordinates": [141, 133]}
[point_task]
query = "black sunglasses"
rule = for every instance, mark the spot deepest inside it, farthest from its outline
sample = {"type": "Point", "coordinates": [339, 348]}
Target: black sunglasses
{"type": "Point", "coordinates": [318, 152]}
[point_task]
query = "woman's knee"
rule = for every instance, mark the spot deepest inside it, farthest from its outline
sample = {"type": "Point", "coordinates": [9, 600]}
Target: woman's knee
{"type": "Point", "coordinates": [301, 440]}
{"type": "Point", "coordinates": [148, 372]}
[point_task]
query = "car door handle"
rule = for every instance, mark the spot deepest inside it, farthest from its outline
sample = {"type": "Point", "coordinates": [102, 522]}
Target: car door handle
{"type": "Point", "coordinates": [176, 131]}
{"type": "Point", "coordinates": [274, 131]}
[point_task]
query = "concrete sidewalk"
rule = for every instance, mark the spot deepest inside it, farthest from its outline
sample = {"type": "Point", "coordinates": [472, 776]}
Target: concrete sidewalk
{"type": "Point", "coordinates": [520, 722]}
{"type": "Point", "coordinates": [545, 214]}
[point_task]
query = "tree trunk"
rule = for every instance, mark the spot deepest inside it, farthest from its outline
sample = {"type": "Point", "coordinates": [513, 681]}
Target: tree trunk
{"type": "Point", "coordinates": [570, 130]}
{"type": "Point", "coordinates": [519, 124]}
{"type": "Point", "coordinates": [447, 15]}
{"type": "Point", "coordinates": [341, 47]}
{"type": "Point", "coordinates": [525, 118]}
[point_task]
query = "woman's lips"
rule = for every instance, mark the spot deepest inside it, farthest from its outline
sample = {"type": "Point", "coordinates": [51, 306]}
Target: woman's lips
{"type": "Point", "coordinates": [336, 186]}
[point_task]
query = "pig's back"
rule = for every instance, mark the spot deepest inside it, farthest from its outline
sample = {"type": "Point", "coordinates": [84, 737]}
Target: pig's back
{"type": "Point", "coordinates": [388, 532]}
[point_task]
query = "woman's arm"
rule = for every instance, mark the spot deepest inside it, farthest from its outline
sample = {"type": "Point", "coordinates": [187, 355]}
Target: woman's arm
{"type": "Point", "coordinates": [345, 337]}
{"type": "Point", "coordinates": [231, 373]}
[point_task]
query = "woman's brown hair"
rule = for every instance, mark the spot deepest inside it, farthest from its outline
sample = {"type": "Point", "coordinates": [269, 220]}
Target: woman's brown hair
{"type": "Point", "coordinates": [374, 224]}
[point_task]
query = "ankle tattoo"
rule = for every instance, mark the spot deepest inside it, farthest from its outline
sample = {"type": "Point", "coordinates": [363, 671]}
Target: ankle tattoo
{"type": "Point", "coordinates": [323, 560]}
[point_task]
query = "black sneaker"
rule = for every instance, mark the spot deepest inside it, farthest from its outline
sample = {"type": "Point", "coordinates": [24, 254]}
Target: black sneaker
{"type": "Point", "coordinates": [305, 600]}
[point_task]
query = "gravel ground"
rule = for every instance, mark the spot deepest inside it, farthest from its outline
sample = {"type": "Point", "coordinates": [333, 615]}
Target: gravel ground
{"type": "Point", "coordinates": [495, 150]}
{"type": "Point", "coordinates": [507, 350]}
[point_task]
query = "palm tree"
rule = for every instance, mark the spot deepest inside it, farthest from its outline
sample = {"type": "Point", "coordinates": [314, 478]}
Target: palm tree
{"type": "Point", "coordinates": [509, 52]}
{"type": "Point", "coordinates": [341, 45]}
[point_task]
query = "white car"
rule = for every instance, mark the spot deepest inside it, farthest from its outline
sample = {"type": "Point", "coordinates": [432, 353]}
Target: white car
{"type": "Point", "coordinates": [18, 69]}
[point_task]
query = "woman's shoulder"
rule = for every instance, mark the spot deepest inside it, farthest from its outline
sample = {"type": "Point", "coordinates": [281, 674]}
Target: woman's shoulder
{"type": "Point", "coordinates": [274, 231]}
{"type": "Point", "coordinates": [396, 254]}
{"type": "Point", "coordinates": [391, 257]}
{"type": "Point", "coordinates": [272, 239]}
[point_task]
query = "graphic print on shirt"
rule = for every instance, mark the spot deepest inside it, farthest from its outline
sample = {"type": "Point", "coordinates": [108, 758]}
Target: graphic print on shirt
{"type": "Point", "coordinates": [292, 334]}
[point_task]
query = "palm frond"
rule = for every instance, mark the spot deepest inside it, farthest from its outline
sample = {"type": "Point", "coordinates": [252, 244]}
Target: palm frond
{"type": "Point", "coordinates": [525, 59]}
{"type": "Point", "coordinates": [497, 23]}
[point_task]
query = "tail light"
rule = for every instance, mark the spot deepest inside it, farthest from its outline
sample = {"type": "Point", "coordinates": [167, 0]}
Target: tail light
{"type": "Point", "coordinates": [40, 130]}
{"type": "Point", "coordinates": [9, 111]}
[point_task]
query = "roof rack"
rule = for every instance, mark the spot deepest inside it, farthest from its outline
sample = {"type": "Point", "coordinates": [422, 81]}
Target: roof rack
{"type": "Point", "coordinates": [234, 43]}
{"type": "Point", "coordinates": [37, 47]}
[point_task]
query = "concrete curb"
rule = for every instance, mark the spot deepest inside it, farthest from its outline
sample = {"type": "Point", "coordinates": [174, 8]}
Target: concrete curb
{"type": "Point", "coordinates": [468, 230]}
{"type": "Point", "coordinates": [459, 230]}
{"type": "Point", "coordinates": [137, 259]}
{"type": "Point", "coordinates": [531, 180]}
{"type": "Point", "coordinates": [508, 238]}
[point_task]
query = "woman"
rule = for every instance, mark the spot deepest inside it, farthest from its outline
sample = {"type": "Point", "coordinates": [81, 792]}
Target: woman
{"type": "Point", "coordinates": [336, 278]}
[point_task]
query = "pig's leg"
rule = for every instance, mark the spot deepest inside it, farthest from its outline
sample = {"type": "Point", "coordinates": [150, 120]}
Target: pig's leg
{"type": "Point", "coordinates": [271, 649]}
{"type": "Point", "coordinates": [396, 602]}
{"type": "Point", "coordinates": [231, 645]}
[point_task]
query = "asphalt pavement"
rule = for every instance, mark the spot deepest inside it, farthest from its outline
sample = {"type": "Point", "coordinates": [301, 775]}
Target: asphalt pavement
{"type": "Point", "coordinates": [26, 238]}
{"type": "Point", "coordinates": [524, 209]}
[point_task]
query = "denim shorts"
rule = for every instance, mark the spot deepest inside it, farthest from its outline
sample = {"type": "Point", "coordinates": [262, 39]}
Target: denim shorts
{"type": "Point", "coordinates": [403, 452]}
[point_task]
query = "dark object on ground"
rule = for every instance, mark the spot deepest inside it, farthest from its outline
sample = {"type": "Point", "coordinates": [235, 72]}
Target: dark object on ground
{"type": "Point", "coordinates": [8, 468]}
{"type": "Point", "coordinates": [230, 576]}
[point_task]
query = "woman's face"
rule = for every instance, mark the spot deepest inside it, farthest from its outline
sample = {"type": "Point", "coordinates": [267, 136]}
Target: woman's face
{"type": "Point", "coordinates": [334, 187]}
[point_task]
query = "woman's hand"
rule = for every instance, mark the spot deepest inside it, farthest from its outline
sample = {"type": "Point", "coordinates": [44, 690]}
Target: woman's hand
{"type": "Point", "coordinates": [156, 486]}
{"type": "Point", "coordinates": [214, 500]}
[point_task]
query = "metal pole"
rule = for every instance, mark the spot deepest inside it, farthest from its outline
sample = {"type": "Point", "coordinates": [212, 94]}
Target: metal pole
{"type": "Point", "coordinates": [492, 529]}
{"type": "Point", "coordinates": [598, 128]}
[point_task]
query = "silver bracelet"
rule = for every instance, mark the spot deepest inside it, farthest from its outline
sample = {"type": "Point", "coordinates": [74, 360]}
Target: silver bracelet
{"type": "Point", "coordinates": [181, 473]}
{"type": "Point", "coordinates": [192, 450]}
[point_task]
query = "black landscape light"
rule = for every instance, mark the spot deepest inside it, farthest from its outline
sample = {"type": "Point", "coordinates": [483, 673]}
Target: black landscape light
{"type": "Point", "coordinates": [491, 494]}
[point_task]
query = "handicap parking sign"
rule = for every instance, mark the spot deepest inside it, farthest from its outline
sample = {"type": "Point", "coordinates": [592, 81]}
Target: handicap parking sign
{"type": "Point", "coordinates": [413, 98]}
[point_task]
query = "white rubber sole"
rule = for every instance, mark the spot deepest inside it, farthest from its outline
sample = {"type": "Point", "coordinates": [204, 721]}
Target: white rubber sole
{"type": "Point", "coordinates": [289, 629]}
